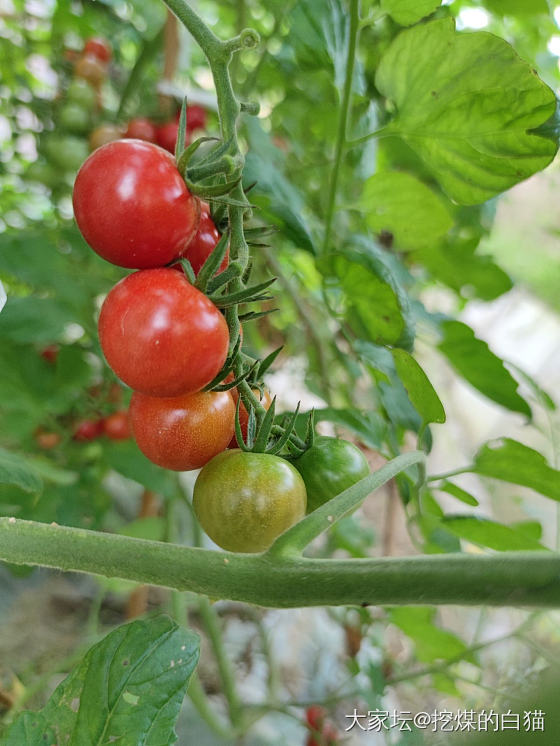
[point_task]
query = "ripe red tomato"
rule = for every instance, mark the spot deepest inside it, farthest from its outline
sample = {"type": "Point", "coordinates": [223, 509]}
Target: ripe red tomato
{"type": "Point", "coordinates": [245, 500]}
{"type": "Point", "coordinates": [50, 353]}
{"type": "Point", "coordinates": [132, 206]}
{"type": "Point", "coordinates": [91, 68]}
{"type": "Point", "coordinates": [98, 47]}
{"type": "Point", "coordinates": [315, 716]}
{"type": "Point", "coordinates": [88, 430]}
{"type": "Point", "coordinates": [141, 129]}
{"type": "Point", "coordinates": [116, 426]}
{"type": "Point", "coordinates": [196, 118]}
{"type": "Point", "coordinates": [204, 241]}
{"type": "Point", "coordinates": [182, 432]}
{"type": "Point", "coordinates": [161, 335]}
{"type": "Point", "coordinates": [166, 136]}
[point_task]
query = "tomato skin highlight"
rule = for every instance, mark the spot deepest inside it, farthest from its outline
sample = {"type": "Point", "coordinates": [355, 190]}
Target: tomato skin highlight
{"type": "Point", "coordinates": [330, 466]}
{"type": "Point", "coordinates": [116, 426]}
{"type": "Point", "coordinates": [98, 47]}
{"type": "Point", "coordinates": [244, 501]}
{"type": "Point", "coordinates": [183, 432]}
{"type": "Point", "coordinates": [141, 129]}
{"type": "Point", "coordinates": [132, 206]}
{"type": "Point", "coordinates": [161, 335]}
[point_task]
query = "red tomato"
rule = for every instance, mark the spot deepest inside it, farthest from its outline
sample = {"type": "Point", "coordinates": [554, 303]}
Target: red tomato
{"type": "Point", "coordinates": [161, 335]}
{"type": "Point", "coordinates": [166, 136]}
{"type": "Point", "coordinates": [46, 440]}
{"type": "Point", "coordinates": [132, 206]}
{"type": "Point", "coordinates": [182, 432]}
{"type": "Point", "coordinates": [315, 716]}
{"type": "Point", "coordinates": [50, 353]}
{"type": "Point", "coordinates": [196, 118]}
{"type": "Point", "coordinates": [116, 426]}
{"type": "Point", "coordinates": [88, 430]}
{"type": "Point", "coordinates": [98, 47]}
{"type": "Point", "coordinates": [141, 129]}
{"type": "Point", "coordinates": [204, 241]}
{"type": "Point", "coordinates": [91, 68]}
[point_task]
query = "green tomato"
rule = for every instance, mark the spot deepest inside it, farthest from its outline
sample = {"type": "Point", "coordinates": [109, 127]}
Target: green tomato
{"type": "Point", "coordinates": [245, 500]}
{"type": "Point", "coordinates": [43, 173]}
{"type": "Point", "coordinates": [330, 466]}
{"type": "Point", "coordinates": [66, 151]}
{"type": "Point", "coordinates": [80, 92]}
{"type": "Point", "coordinates": [74, 118]}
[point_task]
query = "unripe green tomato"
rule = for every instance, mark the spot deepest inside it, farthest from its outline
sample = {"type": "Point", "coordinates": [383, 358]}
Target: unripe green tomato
{"type": "Point", "coordinates": [66, 151]}
{"type": "Point", "coordinates": [44, 173]}
{"type": "Point", "coordinates": [80, 92]}
{"type": "Point", "coordinates": [74, 118]}
{"type": "Point", "coordinates": [244, 501]}
{"type": "Point", "coordinates": [330, 466]}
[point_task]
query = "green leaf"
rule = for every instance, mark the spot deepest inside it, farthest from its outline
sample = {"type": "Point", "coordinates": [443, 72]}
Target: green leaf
{"type": "Point", "coordinates": [401, 204]}
{"type": "Point", "coordinates": [456, 264]}
{"type": "Point", "coordinates": [465, 102]}
{"type": "Point", "coordinates": [417, 384]}
{"type": "Point", "coordinates": [459, 493]}
{"type": "Point", "coordinates": [514, 462]}
{"type": "Point", "coordinates": [473, 359]}
{"type": "Point", "coordinates": [279, 200]}
{"type": "Point", "coordinates": [17, 471]}
{"type": "Point", "coordinates": [407, 12]}
{"type": "Point", "coordinates": [128, 689]}
{"type": "Point", "coordinates": [490, 534]}
{"type": "Point", "coordinates": [517, 7]}
{"type": "Point", "coordinates": [376, 307]}
{"type": "Point", "coordinates": [431, 642]}
{"type": "Point", "coordinates": [368, 426]}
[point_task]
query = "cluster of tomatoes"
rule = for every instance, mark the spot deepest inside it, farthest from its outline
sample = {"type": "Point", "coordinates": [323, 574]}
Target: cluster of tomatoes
{"type": "Point", "coordinates": [114, 425]}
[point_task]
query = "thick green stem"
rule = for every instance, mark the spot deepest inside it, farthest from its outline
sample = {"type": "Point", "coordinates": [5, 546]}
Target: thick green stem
{"type": "Point", "coordinates": [504, 579]}
{"type": "Point", "coordinates": [343, 117]}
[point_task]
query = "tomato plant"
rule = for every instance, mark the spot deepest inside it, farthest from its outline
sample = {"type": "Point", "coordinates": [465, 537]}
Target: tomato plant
{"type": "Point", "coordinates": [357, 271]}
{"type": "Point", "coordinates": [132, 206]}
{"type": "Point", "coordinates": [161, 335]}
{"type": "Point", "coordinates": [246, 500]}
{"type": "Point", "coordinates": [183, 432]}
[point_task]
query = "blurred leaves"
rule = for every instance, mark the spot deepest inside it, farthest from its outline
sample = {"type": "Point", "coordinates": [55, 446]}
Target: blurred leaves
{"type": "Point", "coordinates": [407, 12]}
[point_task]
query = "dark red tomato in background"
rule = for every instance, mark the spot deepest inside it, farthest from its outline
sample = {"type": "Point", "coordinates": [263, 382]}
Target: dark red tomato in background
{"type": "Point", "coordinates": [141, 129]}
{"type": "Point", "coordinates": [204, 242]}
{"type": "Point", "coordinates": [88, 430]}
{"type": "Point", "coordinates": [50, 353]}
{"type": "Point", "coordinates": [166, 136]}
{"type": "Point", "coordinates": [183, 432]}
{"type": "Point", "coordinates": [132, 206]}
{"type": "Point", "coordinates": [116, 426]}
{"type": "Point", "coordinates": [98, 47]}
{"type": "Point", "coordinates": [196, 118]}
{"type": "Point", "coordinates": [46, 439]}
{"type": "Point", "coordinates": [161, 335]}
